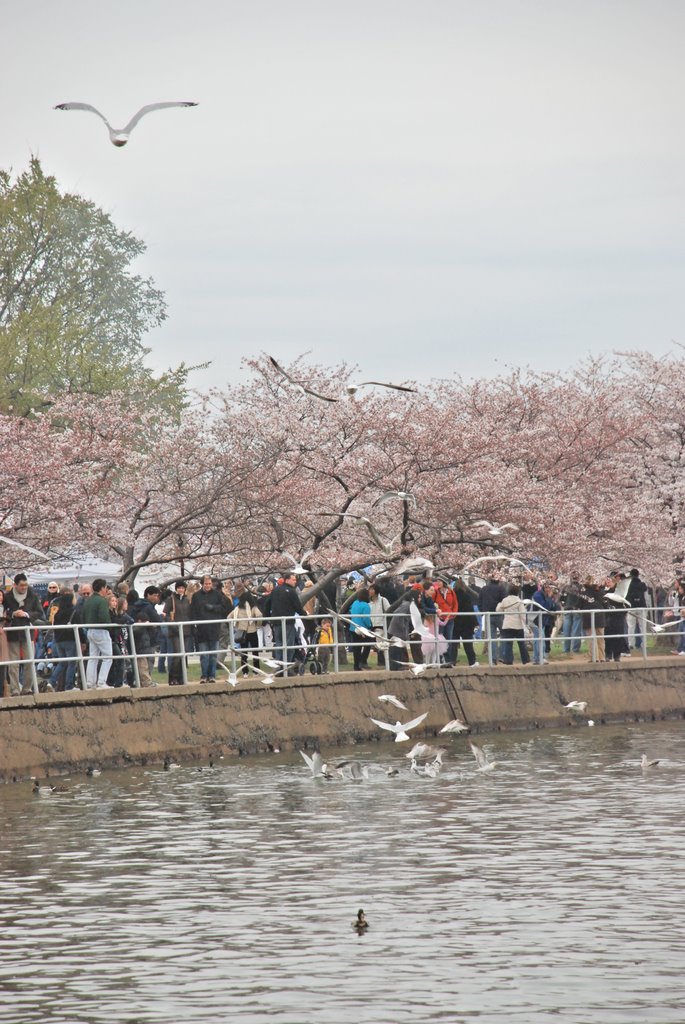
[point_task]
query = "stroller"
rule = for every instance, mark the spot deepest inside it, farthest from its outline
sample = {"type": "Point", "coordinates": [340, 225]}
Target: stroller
{"type": "Point", "coordinates": [304, 654]}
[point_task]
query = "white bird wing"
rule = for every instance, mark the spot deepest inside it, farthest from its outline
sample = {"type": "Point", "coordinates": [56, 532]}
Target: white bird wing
{"type": "Point", "coordinates": [483, 522]}
{"type": "Point", "coordinates": [382, 384]}
{"type": "Point", "coordinates": [84, 106]}
{"type": "Point", "coordinates": [456, 725]}
{"type": "Point", "coordinates": [386, 725]}
{"type": "Point", "coordinates": [283, 373]}
{"type": "Point", "coordinates": [414, 722]}
{"type": "Point", "coordinates": [388, 698]}
{"type": "Point", "coordinates": [398, 495]}
{"type": "Point", "coordinates": [307, 758]}
{"type": "Point", "coordinates": [24, 547]}
{"type": "Point", "coordinates": [153, 106]}
{"type": "Point", "coordinates": [479, 755]}
{"type": "Point", "coordinates": [317, 394]}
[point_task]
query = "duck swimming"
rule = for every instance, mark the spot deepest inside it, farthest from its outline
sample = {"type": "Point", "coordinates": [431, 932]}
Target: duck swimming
{"type": "Point", "coordinates": [360, 924]}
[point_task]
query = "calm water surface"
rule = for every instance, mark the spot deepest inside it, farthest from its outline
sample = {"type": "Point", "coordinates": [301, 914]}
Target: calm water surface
{"type": "Point", "coordinates": [549, 890]}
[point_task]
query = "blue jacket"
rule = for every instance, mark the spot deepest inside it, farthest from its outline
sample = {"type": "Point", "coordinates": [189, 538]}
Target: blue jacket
{"type": "Point", "coordinates": [360, 613]}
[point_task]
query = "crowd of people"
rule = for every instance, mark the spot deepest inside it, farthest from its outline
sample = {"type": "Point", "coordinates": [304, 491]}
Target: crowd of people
{"type": "Point", "coordinates": [115, 634]}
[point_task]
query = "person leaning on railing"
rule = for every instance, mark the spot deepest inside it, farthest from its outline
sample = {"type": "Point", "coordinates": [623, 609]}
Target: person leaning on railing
{"type": "Point", "coordinates": [24, 608]}
{"type": "Point", "coordinates": [177, 612]}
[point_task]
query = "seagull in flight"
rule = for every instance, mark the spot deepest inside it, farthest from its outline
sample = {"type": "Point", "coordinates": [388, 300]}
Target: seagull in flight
{"type": "Point", "coordinates": [317, 765]}
{"type": "Point", "coordinates": [120, 136]}
{"type": "Point", "coordinates": [297, 567]}
{"type": "Point", "coordinates": [24, 547]}
{"type": "Point", "coordinates": [456, 725]}
{"type": "Point", "coordinates": [416, 669]}
{"type": "Point", "coordinates": [482, 759]}
{"type": "Point", "coordinates": [425, 752]}
{"type": "Point", "coordinates": [406, 496]}
{"type": "Point", "coordinates": [385, 547]}
{"type": "Point", "coordinates": [645, 763]}
{"type": "Point", "coordinates": [495, 558]}
{"type": "Point", "coordinates": [398, 728]}
{"type": "Point", "coordinates": [388, 698]}
{"type": "Point", "coordinates": [352, 389]}
{"type": "Point", "coordinates": [301, 388]}
{"type": "Point", "coordinates": [577, 706]}
{"type": "Point", "coordinates": [267, 677]}
{"type": "Point", "coordinates": [495, 531]}
{"type": "Point", "coordinates": [659, 627]}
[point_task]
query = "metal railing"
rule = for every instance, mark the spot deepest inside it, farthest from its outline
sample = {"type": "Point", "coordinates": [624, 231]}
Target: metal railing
{"type": "Point", "coordinates": [278, 641]}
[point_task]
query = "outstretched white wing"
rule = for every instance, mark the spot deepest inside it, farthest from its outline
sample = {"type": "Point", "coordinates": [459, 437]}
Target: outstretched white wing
{"type": "Point", "coordinates": [384, 725]}
{"type": "Point", "coordinates": [24, 547]}
{"type": "Point", "coordinates": [148, 108]}
{"type": "Point", "coordinates": [414, 722]}
{"type": "Point", "coordinates": [84, 106]}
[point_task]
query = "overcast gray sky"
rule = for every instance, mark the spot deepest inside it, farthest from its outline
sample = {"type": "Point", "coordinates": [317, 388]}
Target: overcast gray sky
{"type": "Point", "coordinates": [420, 186]}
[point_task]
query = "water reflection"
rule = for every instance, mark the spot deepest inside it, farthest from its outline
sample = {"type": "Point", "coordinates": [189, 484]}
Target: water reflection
{"type": "Point", "coordinates": [549, 889]}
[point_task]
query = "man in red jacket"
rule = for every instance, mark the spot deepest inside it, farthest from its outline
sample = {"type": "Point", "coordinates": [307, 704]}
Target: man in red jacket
{"type": "Point", "coordinates": [447, 602]}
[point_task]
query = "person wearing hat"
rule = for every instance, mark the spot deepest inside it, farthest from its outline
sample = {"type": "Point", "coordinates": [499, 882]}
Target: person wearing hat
{"type": "Point", "coordinates": [177, 610]}
{"type": "Point", "coordinates": [24, 609]}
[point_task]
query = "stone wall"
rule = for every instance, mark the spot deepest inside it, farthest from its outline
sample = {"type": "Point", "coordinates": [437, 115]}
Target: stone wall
{"type": "Point", "coordinates": [54, 733]}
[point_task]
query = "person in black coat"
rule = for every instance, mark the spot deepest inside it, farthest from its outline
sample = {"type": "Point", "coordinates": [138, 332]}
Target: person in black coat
{"type": "Point", "coordinates": [284, 605]}
{"type": "Point", "coordinates": [464, 624]}
{"type": "Point", "coordinates": [209, 607]}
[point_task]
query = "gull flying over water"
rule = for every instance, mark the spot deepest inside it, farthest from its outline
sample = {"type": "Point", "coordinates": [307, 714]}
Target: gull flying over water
{"type": "Point", "coordinates": [398, 728]}
{"type": "Point", "coordinates": [578, 706]}
{"type": "Point", "coordinates": [388, 698]}
{"type": "Point", "coordinates": [456, 725]}
{"type": "Point", "coordinates": [120, 136]}
{"type": "Point", "coordinates": [646, 763]}
{"type": "Point", "coordinates": [424, 752]}
{"type": "Point", "coordinates": [483, 761]}
{"type": "Point", "coordinates": [316, 765]}
{"type": "Point", "coordinates": [415, 668]}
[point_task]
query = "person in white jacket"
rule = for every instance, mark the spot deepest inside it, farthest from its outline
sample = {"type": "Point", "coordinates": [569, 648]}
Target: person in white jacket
{"type": "Point", "coordinates": [514, 611]}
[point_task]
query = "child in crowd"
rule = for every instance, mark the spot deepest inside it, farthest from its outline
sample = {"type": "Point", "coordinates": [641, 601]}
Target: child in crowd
{"type": "Point", "coordinates": [325, 643]}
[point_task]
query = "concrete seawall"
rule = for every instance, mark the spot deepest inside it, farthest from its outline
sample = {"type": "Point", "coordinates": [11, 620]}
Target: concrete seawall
{"type": "Point", "coordinates": [54, 733]}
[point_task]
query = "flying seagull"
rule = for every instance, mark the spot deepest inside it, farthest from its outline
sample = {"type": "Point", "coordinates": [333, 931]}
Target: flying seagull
{"type": "Point", "coordinates": [494, 558]}
{"type": "Point", "coordinates": [316, 765]}
{"type": "Point", "coordinates": [388, 698]}
{"type": "Point", "coordinates": [425, 752]}
{"type": "Point", "coordinates": [456, 725]}
{"type": "Point", "coordinates": [352, 389]}
{"type": "Point", "coordinates": [482, 760]}
{"type": "Point", "coordinates": [578, 706]}
{"type": "Point", "coordinates": [398, 495]}
{"type": "Point", "coordinates": [120, 136]}
{"type": "Point", "coordinates": [399, 729]}
{"type": "Point", "coordinates": [415, 668]}
{"type": "Point", "coordinates": [385, 547]}
{"type": "Point", "coordinates": [494, 531]}
{"type": "Point", "coordinates": [298, 385]}
{"type": "Point", "coordinates": [644, 763]}
{"type": "Point", "coordinates": [24, 547]}
{"type": "Point", "coordinates": [297, 567]}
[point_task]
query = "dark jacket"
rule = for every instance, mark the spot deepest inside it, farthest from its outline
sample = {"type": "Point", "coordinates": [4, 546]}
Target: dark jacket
{"type": "Point", "coordinates": [207, 605]}
{"type": "Point", "coordinates": [142, 611]}
{"type": "Point", "coordinates": [491, 595]}
{"type": "Point", "coordinates": [32, 606]}
{"type": "Point", "coordinates": [636, 591]}
{"type": "Point", "coordinates": [177, 609]}
{"type": "Point", "coordinates": [285, 601]}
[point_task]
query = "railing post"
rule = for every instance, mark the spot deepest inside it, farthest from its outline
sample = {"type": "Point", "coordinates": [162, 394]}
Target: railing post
{"type": "Point", "coordinates": [336, 659]}
{"type": "Point", "coordinates": [231, 641]}
{"type": "Point", "coordinates": [79, 658]}
{"type": "Point", "coordinates": [132, 645]}
{"type": "Point", "coordinates": [31, 663]}
{"type": "Point", "coordinates": [593, 637]}
{"type": "Point", "coordinates": [284, 646]}
{"type": "Point", "coordinates": [642, 625]}
{"type": "Point", "coordinates": [182, 649]}
{"type": "Point", "coordinates": [487, 622]}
